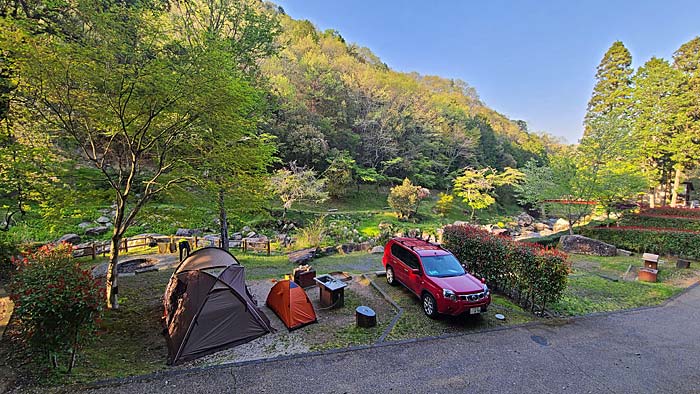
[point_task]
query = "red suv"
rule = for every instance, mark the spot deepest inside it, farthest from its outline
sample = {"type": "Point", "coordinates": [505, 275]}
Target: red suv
{"type": "Point", "coordinates": [436, 276]}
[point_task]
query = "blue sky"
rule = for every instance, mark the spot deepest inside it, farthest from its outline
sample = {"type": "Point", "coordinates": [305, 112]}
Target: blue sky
{"type": "Point", "coordinates": [531, 60]}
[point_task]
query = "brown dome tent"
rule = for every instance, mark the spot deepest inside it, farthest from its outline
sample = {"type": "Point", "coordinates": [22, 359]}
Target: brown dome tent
{"type": "Point", "coordinates": [208, 307]}
{"type": "Point", "coordinates": [291, 304]}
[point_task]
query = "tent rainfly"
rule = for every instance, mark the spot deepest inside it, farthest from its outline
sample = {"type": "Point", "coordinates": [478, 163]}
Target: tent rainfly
{"type": "Point", "coordinates": [208, 307]}
{"type": "Point", "coordinates": [291, 304]}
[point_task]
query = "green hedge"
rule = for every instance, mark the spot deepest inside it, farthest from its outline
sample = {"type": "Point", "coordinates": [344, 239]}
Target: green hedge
{"type": "Point", "coordinates": [662, 222]}
{"type": "Point", "coordinates": [668, 211]}
{"type": "Point", "coordinates": [529, 273]}
{"type": "Point", "coordinates": [649, 241]}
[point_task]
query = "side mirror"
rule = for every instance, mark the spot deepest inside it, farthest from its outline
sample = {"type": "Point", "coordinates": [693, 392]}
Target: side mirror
{"type": "Point", "coordinates": [415, 271]}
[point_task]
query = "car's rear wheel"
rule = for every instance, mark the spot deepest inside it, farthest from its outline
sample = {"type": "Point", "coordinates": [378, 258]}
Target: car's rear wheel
{"type": "Point", "coordinates": [429, 306]}
{"type": "Point", "coordinates": [390, 279]}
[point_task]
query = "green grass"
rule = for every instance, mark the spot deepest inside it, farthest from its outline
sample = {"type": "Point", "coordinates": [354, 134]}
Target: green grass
{"type": "Point", "coordinates": [589, 293]}
{"type": "Point", "coordinates": [591, 289]}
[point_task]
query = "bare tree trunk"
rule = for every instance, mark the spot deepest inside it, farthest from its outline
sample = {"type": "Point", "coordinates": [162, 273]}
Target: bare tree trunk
{"type": "Point", "coordinates": [652, 198]}
{"type": "Point", "coordinates": [112, 275]}
{"type": "Point", "coordinates": [112, 288]}
{"type": "Point", "coordinates": [676, 185]}
{"type": "Point", "coordinates": [223, 219]}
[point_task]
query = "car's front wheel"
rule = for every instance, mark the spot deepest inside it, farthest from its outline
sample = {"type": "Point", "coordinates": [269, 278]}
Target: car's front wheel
{"type": "Point", "coordinates": [429, 306]}
{"type": "Point", "coordinates": [390, 279]}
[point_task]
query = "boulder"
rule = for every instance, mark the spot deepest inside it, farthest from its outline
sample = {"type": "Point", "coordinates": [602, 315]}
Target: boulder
{"type": "Point", "coordinates": [377, 250]}
{"type": "Point", "coordinates": [584, 245]}
{"type": "Point", "coordinates": [85, 225]}
{"type": "Point", "coordinates": [251, 234]}
{"type": "Point", "coordinates": [245, 229]}
{"type": "Point", "coordinates": [560, 225]}
{"type": "Point", "coordinates": [541, 226]}
{"type": "Point", "coordinates": [302, 256]}
{"type": "Point", "coordinates": [237, 236]}
{"type": "Point", "coordinates": [352, 247]}
{"type": "Point", "coordinates": [524, 220]}
{"type": "Point", "coordinates": [96, 231]}
{"type": "Point", "coordinates": [501, 231]}
{"type": "Point", "coordinates": [460, 223]}
{"type": "Point", "coordinates": [546, 232]}
{"type": "Point", "coordinates": [184, 232]}
{"type": "Point", "coordinates": [69, 238]}
{"type": "Point", "coordinates": [103, 220]}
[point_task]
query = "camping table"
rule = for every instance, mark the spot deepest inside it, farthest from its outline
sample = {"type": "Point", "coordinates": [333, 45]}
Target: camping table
{"type": "Point", "coordinates": [331, 291]}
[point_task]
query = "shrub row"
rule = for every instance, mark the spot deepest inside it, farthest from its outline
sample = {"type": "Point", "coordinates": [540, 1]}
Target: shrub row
{"type": "Point", "coordinates": [677, 212]}
{"type": "Point", "coordinates": [528, 273]}
{"type": "Point", "coordinates": [661, 222]}
{"type": "Point", "coordinates": [646, 240]}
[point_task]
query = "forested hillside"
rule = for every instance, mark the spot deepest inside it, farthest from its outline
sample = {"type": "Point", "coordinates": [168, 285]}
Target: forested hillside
{"type": "Point", "coordinates": [337, 99]}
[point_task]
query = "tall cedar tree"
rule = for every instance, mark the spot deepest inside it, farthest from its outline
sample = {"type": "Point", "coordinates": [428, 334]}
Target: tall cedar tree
{"type": "Point", "coordinates": [686, 145]}
{"type": "Point", "coordinates": [613, 84]}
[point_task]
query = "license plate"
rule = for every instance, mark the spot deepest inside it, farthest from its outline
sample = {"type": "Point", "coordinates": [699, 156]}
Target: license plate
{"type": "Point", "coordinates": [474, 311]}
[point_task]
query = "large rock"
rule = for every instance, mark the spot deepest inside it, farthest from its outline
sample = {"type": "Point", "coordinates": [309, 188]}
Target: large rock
{"type": "Point", "coordinates": [302, 256]}
{"type": "Point", "coordinates": [584, 245]}
{"type": "Point", "coordinates": [69, 238]}
{"type": "Point", "coordinates": [96, 230]}
{"type": "Point", "coordinates": [85, 224]}
{"type": "Point", "coordinates": [377, 250]}
{"type": "Point", "coordinates": [541, 226]}
{"type": "Point", "coordinates": [524, 220]}
{"type": "Point", "coordinates": [184, 232]}
{"type": "Point", "coordinates": [103, 220]}
{"type": "Point", "coordinates": [560, 225]}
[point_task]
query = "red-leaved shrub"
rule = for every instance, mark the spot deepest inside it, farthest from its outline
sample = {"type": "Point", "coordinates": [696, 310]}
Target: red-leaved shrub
{"type": "Point", "coordinates": [529, 273]}
{"type": "Point", "coordinates": [56, 302]}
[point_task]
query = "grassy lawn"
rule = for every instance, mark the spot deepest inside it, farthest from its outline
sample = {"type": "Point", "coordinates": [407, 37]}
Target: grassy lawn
{"type": "Point", "coordinates": [596, 284]}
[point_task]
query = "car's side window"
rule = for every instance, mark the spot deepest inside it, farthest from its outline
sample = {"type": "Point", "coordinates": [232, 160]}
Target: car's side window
{"type": "Point", "coordinates": [412, 260]}
{"type": "Point", "coordinates": [404, 255]}
{"type": "Point", "coordinates": [398, 252]}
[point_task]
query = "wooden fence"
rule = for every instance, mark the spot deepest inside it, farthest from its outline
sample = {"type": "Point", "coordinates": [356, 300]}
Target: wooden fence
{"type": "Point", "coordinates": [166, 244]}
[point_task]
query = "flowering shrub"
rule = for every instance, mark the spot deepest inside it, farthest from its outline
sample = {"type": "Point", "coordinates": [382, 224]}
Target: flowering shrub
{"type": "Point", "coordinates": [684, 243]}
{"type": "Point", "coordinates": [56, 302]}
{"type": "Point", "coordinates": [530, 273]}
{"type": "Point", "coordinates": [405, 198]}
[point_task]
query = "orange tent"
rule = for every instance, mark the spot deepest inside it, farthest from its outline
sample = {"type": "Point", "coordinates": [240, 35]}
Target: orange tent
{"type": "Point", "coordinates": [291, 304]}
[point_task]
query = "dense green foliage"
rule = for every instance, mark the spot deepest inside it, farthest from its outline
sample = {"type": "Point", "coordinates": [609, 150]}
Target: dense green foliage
{"type": "Point", "coordinates": [668, 211]}
{"type": "Point", "coordinates": [339, 98]}
{"type": "Point", "coordinates": [660, 222]}
{"type": "Point", "coordinates": [405, 198]}
{"type": "Point", "coordinates": [56, 302]}
{"type": "Point", "coordinates": [527, 272]}
{"type": "Point", "coordinates": [643, 240]}
{"type": "Point", "coordinates": [477, 187]}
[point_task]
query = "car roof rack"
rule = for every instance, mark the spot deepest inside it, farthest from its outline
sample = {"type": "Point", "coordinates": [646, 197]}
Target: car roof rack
{"type": "Point", "coordinates": [418, 244]}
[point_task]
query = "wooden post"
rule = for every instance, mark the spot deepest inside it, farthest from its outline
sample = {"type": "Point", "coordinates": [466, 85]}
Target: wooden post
{"type": "Point", "coordinates": [268, 247]}
{"type": "Point", "coordinates": [126, 245]}
{"type": "Point", "coordinates": [195, 242]}
{"type": "Point", "coordinates": [94, 252]}
{"type": "Point", "coordinates": [245, 246]}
